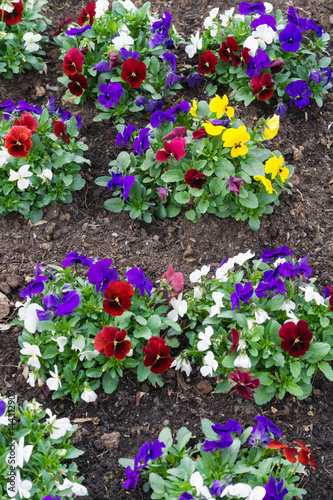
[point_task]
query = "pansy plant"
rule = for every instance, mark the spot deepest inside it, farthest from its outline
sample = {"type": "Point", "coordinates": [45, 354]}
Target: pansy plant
{"type": "Point", "coordinates": [40, 157]}
{"type": "Point", "coordinates": [263, 55]}
{"type": "Point", "coordinates": [229, 463]}
{"type": "Point", "coordinates": [201, 158]}
{"type": "Point", "coordinates": [117, 55]}
{"type": "Point", "coordinates": [263, 323]}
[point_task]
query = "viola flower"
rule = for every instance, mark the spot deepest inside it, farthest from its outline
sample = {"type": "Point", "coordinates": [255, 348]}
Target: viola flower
{"type": "Point", "coordinates": [204, 337]}
{"type": "Point", "coordinates": [78, 84]}
{"type": "Point", "coordinates": [235, 340]}
{"type": "Point", "coordinates": [242, 58]}
{"type": "Point", "coordinates": [123, 40]}
{"type": "Point", "coordinates": [24, 106]}
{"type": "Point", "coordinates": [247, 9]}
{"type": "Point", "coordinates": [136, 278]}
{"type": "Point", "coordinates": [134, 72]}
{"type": "Point", "coordinates": [271, 127]}
{"type": "Point", "coordinates": [194, 179]}
{"type": "Point", "coordinates": [274, 166]}
{"type": "Point", "coordinates": [157, 355]}
{"type": "Point", "coordinates": [126, 135]}
{"type": "Point", "coordinates": [141, 142]}
{"type": "Point", "coordinates": [194, 46]}
{"type": "Point", "coordinates": [264, 35]}
{"type": "Point", "coordinates": [299, 92]}
{"type": "Point", "coordinates": [21, 176]}
{"type": "Point", "coordinates": [290, 452]}
{"type": "Point", "coordinates": [7, 107]}
{"type": "Point", "coordinates": [183, 107]}
{"type": "Point", "coordinates": [34, 288]}
{"type": "Point", "coordinates": [175, 282]}
{"type": "Point", "coordinates": [161, 116]}
{"type": "Point", "coordinates": [30, 41]}
{"type": "Point", "coordinates": [73, 62]}
{"type": "Point", "coordinates": [110, 342]}
{"type": "Point", "coordinates": [273, 287]}
{"type": "Point", "coordinates": [296, 338]}
{"type": "Point", "coordinates": [28, 121]}
{"type": "Point", "coordinates": [100, 274]}
{"type": "Point", "coordinates": [150, 451]}
{"type": "Point", "coordinates": [126, 54]}
{"type": "Point", "coordinates": [228, 48]}
{"type": "Point", "coordinates": [132, 475]}
{"type": "Point", "coordinates": [290, 38]}
{"type": "Point", "coordinates": [260, 431]}
{"type": "Point", "coordinates": [224, 431]}
{"type": "Point", "coordinates": [60, 131]}
{"type": "Point", "coordinates": [114, 60]}
{"type": "Point", "coordinates": [305, 456]}
{"type": "Point", "coordinates": [235, 184]}
{"type": "Point", "coordinates": [75, 258]}
{"type": "Point", "coordinates": [297, 20]}
{"type": "Point", "coordinates": [15, 15]}
{"type": "Point", "coordinates": [177, 132]}
{"type": "Point", "coordinates": [207, 63]}
{"type": "Point", "coordinates": [110, 94]}
{"type": "Point", "coordinates": [241, 293]}
{"type": "Point", "coordinates": [245, 384]}
{"type": "Point", "coordinates": [262, 86]}
{"type": "Point", "coordinates": [174, 149]}
{"type": "Point", "coordinates": [171, 79]}
{"type": "Point", "coordinates": [179, 308]}
{"type": "Point", "coordinates": [210, 365]}
{"type": "Point", "coordinates": [117, 297]}
{"type": "Point", "coordinates": [274, 489]}
{"type": "Point", "coordinates": [170, 59]}
{"type": "Point", "coordinates": [276, 66]}
{"type": "Point", "coordinates": [18, 142]}
{"type": "Point", "coordinates": [64, 24]}
{"type": "Point", "coordinates": [194, 80]}
{"type": "Point", "coordinates": [87, 14]}
{"type": "Point", "coordinates": [257, 63]}
{"type": "Point", "coordinates": [199, 134]}
{"type": "Point", "coordinates": [266, 183]}
{"type": "Point", "coordinates": [78, 31]}
{"type": "Point", "coordinates": [163, 193]}
{"type": "Point", "coordinates": [220, 106]}
{"type": "Point", "coordinates": [236, 138]}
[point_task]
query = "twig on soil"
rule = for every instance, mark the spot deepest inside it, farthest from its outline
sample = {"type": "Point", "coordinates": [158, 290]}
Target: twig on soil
{"type": "Point", "coordinates": [7, 366]}
{"type": "Point", "coordinates": [61, 8]}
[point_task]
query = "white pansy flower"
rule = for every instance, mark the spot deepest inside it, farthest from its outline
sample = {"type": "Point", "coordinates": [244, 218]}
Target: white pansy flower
{"type": "Point", "coordinates": [53, 383]}
{"type": "Point", "coordinates": [280, 260]}
{"type": "Point", "coordinates": [179, 308]}
{"type": "Point", "coordinates": [241, 17]}
{"type": "Point", "coordinates": [241, 344]}
{"type": "Point", "coordinates": [30, 41]}
{"type": "Point", "coordinates": [241, 490]}
{"type": "Point", "coordinates": [61, 341]}
{"type": "Point", "coordinates": [196, 276]}
{"type": "Point", "coordinates": [128, 5]}
{"type": "Point", "coordinates": [34, 352]}
{"type": "Point", "coordinates": [210, 365]}
{"type": "Point", "coordinates": [46, 175]}
{"type": "Point", "coordinates": [260, 315]}
{"type": "Point", "coordinates": [101, 7]}
{"type": "Point", "coordinates": [291, 317]}
{"type": "Point", "coordinates": [65, 485]}
{"type": "Point", "coordinates": [35, 406]}
{"type": "Point", "coordinates": [242, 361]}
{"type": "Point", "coordinates": [28, 314]}
{"type": "Point", "coordinates": [196, 480]}
{"type": "Point", "coordinates": [252, 44]}
{"type": "Point", "coordinates": [4, 420]}
{"type": "Point", "coordinates": [310, 294]}
{"type": "Point", "coordinates": [264, 35]}
{"type": "Point", "coordinates": [78, 343]}
{"type": "Point", "coordinates": [205, 336]}
{"type": "Point", "coordinates": [250, 323]}
{"type": "Point", "coordinates": [222, 271]}
{"type": "Point", "coordinates": [288, 305]}
{"type": "Point", "coordinates": [226, 16]}
{"type": "Point", "coordinates": [182, 364]}
{"type": "Point", "coordinates": [4, 156]}
{"type": "Point", "coordinates": [79, 489]}
{"type": "Point", "coordinates": [31, 380]}
{"type": "Point", "coordinates": [21, 453]}
{"type": "Point", "coordinates": [59, 426]}
{"type": "Point", "coordinates": [21, 487]}
{"type": "Point", "coordinates": [241, 258]}
{"type": "Point", "coordinates": [89, 355]}
{"type": "Point", "coordinates": [217, 297]}
{"type": "Point", "coordinates": [123, 40]}
{"type": "Point", "coordinates": [88, 395]}
{"type": "Point", "coordinates": [195, 45]}
{"type": "Point", "coordinates": [197, 292]}
{"type": "Point", "coordinates": [21, 176]}
{"type": "Point", "coordinates": [268, 7]}
{"type": "Point", "coordinates": [209, 21]}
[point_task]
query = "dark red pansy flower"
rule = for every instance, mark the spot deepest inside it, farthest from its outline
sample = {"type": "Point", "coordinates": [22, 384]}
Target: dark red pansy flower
{"type": "Point", "coordinates": [199, 134]}
{"type": "Point", "coordinates": [207, 63]}
{"type": "Point", "coordinates": [228, 48]}
{"type": "Point", "coordinates": [60, 131]}
{"type": "Point", "coordinates": [112, 343]}
{"type": "Point", "coordinates": [73, 61]}
{"type": "Point", "coordinates": [174, 149]}
{"type": "Point", "coordinates": [15, 15]}
{"type": "Point", "coordinates": [243, 57]}
{"type": "Point", "coordinates": [157, 355]}
{"type": "Point", "coordinates": [117, 297]}
{"type": "Point", "coordinates": [18, 142]}
{"type": "Point", "coordinates": [134, 72]}
{"type": "Point", "coordinates": [328, 292]}
{"type": "Point", "coordinates": [28, 121]}
{"type": "Point", "coordinates": [194, 179]}
{"type": "Point", "coordinates": [305, 456]}
{"type": "Point", "coordinates": [87, 14]}
{"type": "Point", "coordinates": [262, 86]}
{"type": "Point", "coordinates": [64, 24]}
{"type": "Point", "coordinates": [276, 66]}
{"type": "Point", "coordinates": [290, 452]}
{"type": "Point", "coordinates": [234, 337]}
{"type": "Point", "coordinates": [245, 384]}
{"type": "Point", "coordinates": [78, 84]}
{"type": "Point", "coordinates": [295, 338]}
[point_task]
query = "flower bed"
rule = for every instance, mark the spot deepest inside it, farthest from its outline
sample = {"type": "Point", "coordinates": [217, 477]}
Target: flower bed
{"type": "Point", "coordinates": [199, 158]}
{"type": "Point", "coordinates": [263, 55]}
{"type": "Point", "coordinates": [119, 56]}
{"type": "Point", "coordinates": [40, 158]}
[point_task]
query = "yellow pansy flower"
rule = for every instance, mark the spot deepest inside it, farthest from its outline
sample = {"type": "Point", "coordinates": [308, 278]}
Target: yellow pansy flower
{"type": "Point", "coordinates": [212, 129]}
{"type": "Point", "coordinates": [274, 166]}
{"type": "Point", "coordinates": [220, 106]}
{"type": "Point", "coordinates": [271, 127]}
{"type": "Point", "coordinates": [236, 138]}
{"type": "Point", "coordinates": [266, 182]}
{"type": "Point", "coordinates": [193, 110]}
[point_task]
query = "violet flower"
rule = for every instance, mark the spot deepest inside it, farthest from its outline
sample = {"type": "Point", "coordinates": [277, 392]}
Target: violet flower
{"type": "Point", "coordinates": [171, 59]}
{"type": "Point", "coordinates": [260, 431]}
{"type": "Point", "coordinates": [224, 431]}
{"type": "Point", "coordinates": [77, 31]}
{"type": "Point", "coordinates": [241, 293]}
{"type": "Point", "coordinates": [100, 274]}
{"type": "Point", "coordinates": [315, 76]}
{"type": "Point", "coordinates": [247, 9]}
{"type": "Point", "coordinates": [111, 93]}
{"type": "Point", "coordinates": [163, 193]}
{"type": "Point", "coordinates": [313, 26]}
{"type": "Point", "coordinates": [126, 135]}
{"type": "Point", "coordinates": [290, 38]}
{"type": "Point", "coordinates": [24, 106]}
{"type": "Point", "coordinates": [299, 92]}
{"type": "Point", "coordinates": [288, 269]}
{"type": "Point", "coordinates": [182, 107]}
{"type": "Point", "coordinates": [269, 255]}
{"type": "Point", "coordinates": [171, 79]}
{"type": "Point", "coordinates": [327, 74]}
{"type": "Point", "coordinates": [169, 44]}
{"type": "Point", "coordinates": [102, 67]}
{"type": "Point", "coordinates": [141, 143]}
{"type": "Point", "coordinates": [154, 106]}
{"type": "Point", "coordinates": [70, 301]}
{"type": "Point", "coordinates": [136, 278]}
{"type": "Point", "coordinates": [218, 486]}
{"type": "Point", "coordinates": [132, 475]}
{"type": "Point", "coordinates": [75, 258]}
{"type": "Point", "coordinates": [34, 288]}
{"type": "Point", "coordinates": [255, 65]}
{"type": "Point", "coordinates": [194, 79]}
{"type": "Point", "coordinates": [163, 26]}
{"type": "Point", "coordinates": [273, 287]}
{"type": "Point", "coordinates": [2, 408]}
{"type": "Point", "coordinates": [274, 489]}
{"type": "Point", "coordinates": [281, 110]}
{"type": "Point", "coordinates": [235, 184]}
{"type": "Point", "coordinates": [297, 20]}
{"type": "Point", "coordinates": [186, 496]}
{"type": "Point", "coordinates": [150, 451]}
{"type": "Point", "coordinates": [161, 116]}
{"type": "Point", "coordinates": [124, 183]}
{"type": "Point", "coordinates": [264, 19]}
{"type": "Point", "coordinates": [126, 54]}
{"type": "Point", "coordinates": [141, 101]}
{"type": "Point", "coordinates": [7, 107]}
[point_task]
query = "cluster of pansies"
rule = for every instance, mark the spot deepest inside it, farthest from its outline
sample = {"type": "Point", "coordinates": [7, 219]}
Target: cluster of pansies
{"type": "Point", "coordinates": [252, 466]}
{"type": "Point", "coordinates": [34, 440]}
{"type": "Point", "coordinates": [21, 25]}
{"type": "Point", "coordinates": [40, 158]}
{"type": "Point", "coordinates": [264, 56]}
{"type": "Point", "coordinates": [121, 58]}
{"type": "Point", "coordinates": [201, 158]}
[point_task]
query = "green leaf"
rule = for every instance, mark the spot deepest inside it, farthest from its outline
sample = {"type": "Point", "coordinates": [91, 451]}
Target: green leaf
{"type": "Point", "coordinates": [156, 483]}
{"type": "Point", "coordinates": [190, 215]}
{"type": "Point", "coordinates": [326, 369]}
{"type": "Point", "coordinates": [254, 222]}
{"type": "Point", "coordinates": [250, 202]}
{"type": "Point", "coordinates": [295, 368]}
{"type": "Point", "coordinates": [172, 210]}
{"type": "Point", "coordinates": [182, 197]}
{"type": "Point", "coordinates": [294, 389]}
{"type": "Point", "coordinates": [110, 383]}
{"type": "Point", "coordinates": [36, 215]}
{"type": "Point", "coordinates": [173, 175]}
{"type": "Point", "coordinates": [211, 89]}
{"type": "Point", "coordinates": [123, 161]}
{"type": "Point", "coordinates": [114, 205]}
{"type": "Point", "coordinates": [261, 395]}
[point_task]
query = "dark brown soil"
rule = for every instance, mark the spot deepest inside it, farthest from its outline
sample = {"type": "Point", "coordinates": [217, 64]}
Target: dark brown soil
{"type": "Point", "coordinates": [303, 221]}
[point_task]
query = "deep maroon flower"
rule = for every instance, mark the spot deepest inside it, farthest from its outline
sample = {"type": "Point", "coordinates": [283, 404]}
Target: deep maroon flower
{"type": "Point", "coordinates": [175, 283]}
{"type": "Point", "coordinates": [18, 142]}
{"type": "Point", "coordinates": [296, 338]}
{"type": "Point", "coordinates": [262, 86]}
{"type": "Point", "coordinates": [228, 48]}
{"type": "Point", "coordinates": [112, 343]}
{"type": "Point", "coordinates": [235, 184]}
{"type": "Point", "coordinates": [60, 131]}
{"type": "Point", "coordinates": [245, 384]}
{"type": "Point", "coordinates": [64, 24]}
{"type": "Point", "coordinates": [134, 72]}
{"type": "Point", "coordinates": [194, 179]}
{"type": "Point", "coordinates": [78, 84]}
{"type": "Point", "coordinates": [157, 355]}
{"type": "Point", "coordinates": [87, 14]}
{"type": "Point", "coordinates": [234, 337]}
{"type": "Point", "coordinates": [15, 16]}
{"type": "Point", "coordinates": [290, 452]}
{"type": "Point", "coordinates": [328, 292]}
{"type": "Point", "coordinates": [243, 57]}
{"type": "Point", "coordinates": [174, 149]}
{"type": "Point", "coordinates": [114, 60]}
{"type": "Point", "coordinates": [118, 297]}
{"type": "Point", "coordinates": [207, 63]}
{"type": "Point", "coordinates": [73, 61]}
{"type": "Point", "coordinates": [305, 456]}
{"type": "Point", "coordinates": [199, 134]}
{"type": "Point", "coordinates": [276, 66]}
{"type": "Point", "coordinates": [28, 121]}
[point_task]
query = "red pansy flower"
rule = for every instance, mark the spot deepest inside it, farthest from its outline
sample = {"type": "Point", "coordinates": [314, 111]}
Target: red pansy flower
{"type": "Point", "coordinates": [64, 24]}
{"type": "Point", "coordinates": [112, 343]}
{"type": "Point", "coordinates": [305, 456]}
{"type": "Point", "coordinates": [60, 131]}
{"type": "Point", "coordinates": [228, 48]}
{"type": "Point", "coordinates": [208, 62]}
{"type": "Point", "coordinates": [28, 121]}
{"type": "Point", "coordinates": [262, 86]}
{"type": "Point", "coordinates": [194, 179]}
{"type": "Point", "coordinates": [243, 57]}
{"type": "Point", "coordinates": [157, 355]}
{"type": "Point", "coordinates": [174, 149]}
{"type": "Point", "coordinates": [118, 297]}
{"type": "Point", "coordinates": [290, 452]}
{"type": "Point", "coordinates": [18, 142]}
{"type": "Point", "coordinates": [245, 384]}
{"type": "Point", "coordinates": [78, 84]}
{"type": "Point", "coordinates": [295, 338]}
{"type": "Point", "coordinates": [73, 61]}
{"type": "Point", "coordinates": [176, 282]}
{"type": "Point", "coordinates": [329, 293]}
{"type": "Point", "coordinates": [199, 134]}
{"type": "Point", "coordinates": [134, 72]}
{"type": "Point", "coordinates": [14, 16]}
{"type": "Point", "coordinates": [276, 66]}
{"type": "Point", "coordinates": [235, 338]}
{"type": "Point", "coordinates": [114, 60]}
{"type": "Point", "coordinates": [87, 14]}
{"type": "Point", "coordinates": [177, 132]}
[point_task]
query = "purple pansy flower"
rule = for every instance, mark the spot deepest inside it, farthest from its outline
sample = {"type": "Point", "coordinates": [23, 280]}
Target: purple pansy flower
{"type": "Point", "coordinates": [327, 74]}
{"type": "Point", "coordinates": [126, 135]}
{"type": "Point", "coordinates": [70, 301]}
{"type": "Point", "coordinates": [24, 106]}
{"type": "Point", "coordinates": [290, 38]}
{"type": "Point", "coordinates": [169, 44]}
{"type": "Point", "coordinates": [221, 123]}
{"type": "Point", "coordinates": [315, 76]}
{"type": "Point", "coordinates": [163, 193]}
{"type": "Point", "coordinates": [161, 116]}
{"type": "Point", "coordinates": [37, 286]}
{"type": "Point", "coordinates": [111, 93]}
{"type": "Point", "coordinates": [103, 67]}
{"type": "Point", "coordinates": [75, 258]}
{"type": "Point", "coordinates": [171, 79]}
{"type": "Point", "coordinates": [224, 431]}
{"type": "Point", "coordinates": [163, 26]}
{"type": "Point", "coordinates": [171, 59]}
{"type": "Point", "coordinates": [218, 486]}
{"type": "Point", "coordinates": [78, 31]}
{"type": "Point", "coordinates": [299, 92]}
{"type": "Point", "coordinates": [136, 278]}
{"type": "Point", "coordinates": [132, 475]}
{"type": "Point", "coordinates": [288, 269]}
{"type": "Point", "coordinates": [274, 489]}
{"type": "Point", "coordinates": [297, 20]}
{"type": "Point", "coordinates": [2, 408]}
{"type": "Point", "coordinates": [246, 8]}
{"type": "Point", "coordinates": [186, 496]}
{"type": "Point", "coordinates": [273, 287]}
{"type": "Point", "coordinates": [100, 274]}
{"type": "Point", "coordinates": [281, 110]}
{"type": "Point", "coordinates": [154, 106]}
{"type": "Point", "coordinates": [259, 431]}
{"type": "Point", "coordinates": [194, 79]}
{"type": "Point", "coordinates": [182, 107]}
{"type": "Point", "coordinates": [8, 106]}
{"type": "Point", "coordinates": [150, 451]}
{"type": "Point", "coordinates": [123, 183]}
{"type": "Point", "coordinates": [50, 497]}
{"type": "Point", "coordinates": [269, 255]}
{"type": "Point", "coordinates": [141, 143]}
{"type": "Point", "coordinates": [255, 64]}
{"type": "Point", "coordinates": [126, 54]}
{"type": "Point", "coordinates": [264, 19]}
{"type": "Point", "coordinates": [313, 26]}
{"type": "Point", "coordinates": [141, 101]}
{"type": "Point", "coordinates": [235, 184]}
{"type": "Point", "coordinates": [241, 293]}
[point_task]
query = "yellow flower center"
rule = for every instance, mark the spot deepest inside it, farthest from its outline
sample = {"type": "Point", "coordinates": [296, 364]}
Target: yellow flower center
{"type": "Point", "coordinates": [133, 74]}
